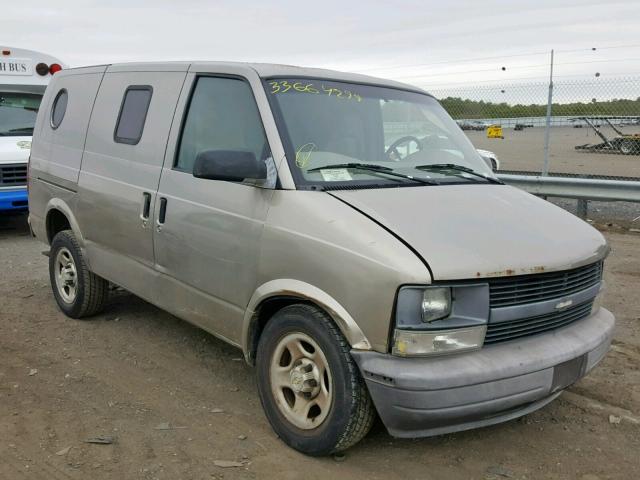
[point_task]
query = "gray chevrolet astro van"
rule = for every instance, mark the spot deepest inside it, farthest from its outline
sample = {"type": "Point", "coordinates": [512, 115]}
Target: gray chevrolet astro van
{"type": "Point", "coordinates": [339, 229]}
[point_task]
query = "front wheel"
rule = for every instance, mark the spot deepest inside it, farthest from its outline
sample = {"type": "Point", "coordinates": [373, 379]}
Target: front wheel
{"type": "Point", "coordinates": [310, 388]}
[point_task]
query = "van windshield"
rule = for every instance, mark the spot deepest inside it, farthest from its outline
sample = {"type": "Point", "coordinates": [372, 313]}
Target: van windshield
{"type": "Point", "coordinates": [338, 133]}
{"type": "Point", "coordinates": [18, 113]}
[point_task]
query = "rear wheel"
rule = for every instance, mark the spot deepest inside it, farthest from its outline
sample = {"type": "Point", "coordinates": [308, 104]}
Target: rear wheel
{"type": "Point", "coordinates": [78, 291]}
{"type": "Point", "coordinates": [311, 390]}
{"type": "Point", "coordinates": [629, 147]}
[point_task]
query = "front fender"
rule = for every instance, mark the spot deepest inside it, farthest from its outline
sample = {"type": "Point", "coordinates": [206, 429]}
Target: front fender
{"type": "Point", "coordinates": [287, 287]}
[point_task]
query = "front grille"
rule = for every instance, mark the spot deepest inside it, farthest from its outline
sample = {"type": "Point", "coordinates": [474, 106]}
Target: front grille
{"type": "Point", "coordinates": [13, 175]}
{"type": "Point", "coordinates": [522, 289]}
{"type": "Point", "coordinates": [522, 327]}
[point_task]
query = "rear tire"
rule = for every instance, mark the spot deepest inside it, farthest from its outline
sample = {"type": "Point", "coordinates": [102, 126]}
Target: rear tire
{"type": "Point", "coordinates": [310, 388]}
{"type": "Point", "coordinates": [78, 291]}
{"type": "Point", "coordinates": [628, 147]}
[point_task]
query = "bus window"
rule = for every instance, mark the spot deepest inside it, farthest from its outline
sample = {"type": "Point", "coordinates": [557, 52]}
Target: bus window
{"type": "Point", "coordinates": [18, 113]}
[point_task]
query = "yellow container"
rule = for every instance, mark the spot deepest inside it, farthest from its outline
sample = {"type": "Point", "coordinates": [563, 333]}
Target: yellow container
{"type": "Point", "coordinates": [494, 131]}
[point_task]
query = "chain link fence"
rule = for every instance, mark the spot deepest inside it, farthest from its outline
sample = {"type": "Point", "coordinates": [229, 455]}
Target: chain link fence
{"type": "Point", "coordinates": [594, 127]}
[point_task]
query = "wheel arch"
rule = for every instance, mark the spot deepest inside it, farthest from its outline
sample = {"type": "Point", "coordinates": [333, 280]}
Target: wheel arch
{"type": "Point", "coordinates": [277, 294]}
{"type": "Point", "coordinates": [59, 216]}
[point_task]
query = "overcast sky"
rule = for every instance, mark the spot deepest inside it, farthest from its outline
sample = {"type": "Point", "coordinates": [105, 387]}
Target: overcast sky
{"type": "Point", "coordinates": [426, 43]}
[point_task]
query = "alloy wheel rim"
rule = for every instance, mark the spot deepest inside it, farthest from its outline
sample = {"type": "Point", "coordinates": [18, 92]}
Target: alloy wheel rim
{"type": "Point", "coordinates": [66, 275]}
{"type": "Point", "coordinates": [301, 381]}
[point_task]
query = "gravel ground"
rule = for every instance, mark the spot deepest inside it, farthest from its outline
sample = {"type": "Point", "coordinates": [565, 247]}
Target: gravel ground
{"type": "Point", "coordinates": [174, 400]}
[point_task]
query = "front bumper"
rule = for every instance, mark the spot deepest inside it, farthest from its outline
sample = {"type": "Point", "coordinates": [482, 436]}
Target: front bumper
{"type": "Point", "coordinates": [421, 397]}
{"type": "Point", "coordinates": [13, 199]}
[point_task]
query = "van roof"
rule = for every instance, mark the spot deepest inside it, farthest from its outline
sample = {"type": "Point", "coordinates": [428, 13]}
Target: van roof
{"type": "Point", "coordinates": [264, 70]}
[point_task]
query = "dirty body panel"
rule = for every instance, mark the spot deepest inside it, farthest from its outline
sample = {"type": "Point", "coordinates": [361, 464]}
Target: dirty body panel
{"type": "Point", "coordinates": [479, 231]}
{"type": "Point", "coordinates": [344, 253]}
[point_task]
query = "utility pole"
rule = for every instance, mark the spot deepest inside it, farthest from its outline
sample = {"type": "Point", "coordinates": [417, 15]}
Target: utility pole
{"type": "Point", "coordinates": [545, 167]}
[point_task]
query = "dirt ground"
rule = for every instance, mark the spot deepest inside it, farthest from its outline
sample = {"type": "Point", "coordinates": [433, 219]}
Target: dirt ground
{"type": "Point", "coordinates": [524, 150]}
{"type": "Point", "coordinates": [176, 400]}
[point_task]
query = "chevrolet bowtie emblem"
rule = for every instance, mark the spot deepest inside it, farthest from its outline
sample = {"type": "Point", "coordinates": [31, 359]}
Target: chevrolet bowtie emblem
{"type": "Point", "coordinates": [564, 304]}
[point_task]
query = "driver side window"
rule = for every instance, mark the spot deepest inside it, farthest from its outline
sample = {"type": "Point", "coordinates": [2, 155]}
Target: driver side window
{"type": "Point", "coordinates": [222, 115]}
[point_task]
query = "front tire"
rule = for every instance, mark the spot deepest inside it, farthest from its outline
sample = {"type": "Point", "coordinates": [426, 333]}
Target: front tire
{"type": "Point", "coordinates": [310, 388]}
{"type": "Point", "coordinates": [78, 291]}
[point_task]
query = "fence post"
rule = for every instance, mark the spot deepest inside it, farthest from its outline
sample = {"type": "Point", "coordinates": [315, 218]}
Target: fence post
{"type": "Point", "coordinates": [545, 167]}
{"type": "Point", "coordinates": [583, 208]}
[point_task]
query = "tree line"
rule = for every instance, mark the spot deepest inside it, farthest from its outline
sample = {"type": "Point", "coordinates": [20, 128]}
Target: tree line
{"type": "Point", "coordinates": [465, 108]}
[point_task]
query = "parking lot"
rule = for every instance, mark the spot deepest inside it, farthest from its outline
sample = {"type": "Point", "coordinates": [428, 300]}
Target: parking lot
{"type": "Point", "coordinates": [174, 400]}
{"type": "Point", "coordinates": [524, 150]}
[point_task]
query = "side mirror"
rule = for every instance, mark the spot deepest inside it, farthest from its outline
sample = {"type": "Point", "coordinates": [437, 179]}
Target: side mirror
{"type": "Point", "coordinates": [232, 166]}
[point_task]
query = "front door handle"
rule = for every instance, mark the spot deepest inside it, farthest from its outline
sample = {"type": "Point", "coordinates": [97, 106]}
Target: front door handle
{"type": "Point", "coordinates": [162, 214]}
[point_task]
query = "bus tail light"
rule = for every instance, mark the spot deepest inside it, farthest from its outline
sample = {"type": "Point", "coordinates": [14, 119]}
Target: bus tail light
{"type": "Point", "coordinates": [42, 69]}
{"type": "Point", "coordinates": [54, 67]}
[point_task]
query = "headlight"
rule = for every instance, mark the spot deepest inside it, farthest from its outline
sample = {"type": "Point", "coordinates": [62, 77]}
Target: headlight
{"type": "Point", "coordinates": [438, 319]}
{"type": "Point", "coordinates": [436, 304]}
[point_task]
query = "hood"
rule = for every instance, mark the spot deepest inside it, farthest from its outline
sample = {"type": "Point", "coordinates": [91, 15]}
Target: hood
{"type": "Point", "coordinates": [14, 149]}
{"type": "Point", "coordinates": [475, 231]}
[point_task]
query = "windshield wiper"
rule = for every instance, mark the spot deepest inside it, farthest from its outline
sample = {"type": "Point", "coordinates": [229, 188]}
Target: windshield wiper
{"type": "Point", "coordinates": [377, 169]}
{"type": "Point", "coordinates": [21, 129]}
{"type": "Point", "coordinates": [457, 168]}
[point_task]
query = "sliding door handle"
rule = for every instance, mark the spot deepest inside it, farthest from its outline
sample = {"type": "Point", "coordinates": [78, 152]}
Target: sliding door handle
{"type": "Point", "coordinates": [146, 207]}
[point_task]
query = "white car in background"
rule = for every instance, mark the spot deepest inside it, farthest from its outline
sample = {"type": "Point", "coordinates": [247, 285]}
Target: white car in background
{"type": "Point", "coordinates": [490, 158]}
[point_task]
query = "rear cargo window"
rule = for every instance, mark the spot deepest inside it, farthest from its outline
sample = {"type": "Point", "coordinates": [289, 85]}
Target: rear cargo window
{"type": "Point", "coordinates": [133, 114]}
{"type": "Point", "coordinates": [59, 108]}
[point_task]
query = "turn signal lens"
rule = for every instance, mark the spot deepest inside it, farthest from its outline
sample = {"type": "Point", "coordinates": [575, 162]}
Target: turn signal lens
{"type": "Point", "coordinates": [407, 343]}
{"type": "Point", "coordinates": [597, 302]}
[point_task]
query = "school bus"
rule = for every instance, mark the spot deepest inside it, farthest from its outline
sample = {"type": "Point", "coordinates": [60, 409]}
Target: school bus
{"type": "Point", "coordinates": [24, 75]}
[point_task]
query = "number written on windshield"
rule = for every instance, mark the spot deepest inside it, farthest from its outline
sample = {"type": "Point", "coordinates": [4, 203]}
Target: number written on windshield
{"type": "Point", "coordinates": [283, 86]}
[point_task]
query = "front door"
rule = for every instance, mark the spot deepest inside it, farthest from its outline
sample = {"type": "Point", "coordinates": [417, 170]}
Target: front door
{"type": "Point", "coordinates": [207, 239]}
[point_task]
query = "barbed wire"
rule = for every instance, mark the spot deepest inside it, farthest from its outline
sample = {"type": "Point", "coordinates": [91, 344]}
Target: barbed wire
{"type": "Point", "coordinates": [497, 57]}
